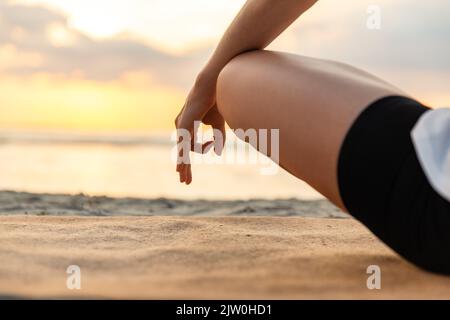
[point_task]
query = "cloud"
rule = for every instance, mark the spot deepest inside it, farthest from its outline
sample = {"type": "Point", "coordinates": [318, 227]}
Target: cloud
{"type": "Point", "coordinates": [411, 50]}
{"type": "Point", "coordinates": [413, 39]}
{"type": "Point", "coordinates": [43, 31]}
{"type": "Point", "coordinates": [413, 36]}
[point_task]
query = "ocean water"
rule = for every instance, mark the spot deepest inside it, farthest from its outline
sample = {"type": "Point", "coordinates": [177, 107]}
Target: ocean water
{"type": "Point", "coordinates": [132, 165]}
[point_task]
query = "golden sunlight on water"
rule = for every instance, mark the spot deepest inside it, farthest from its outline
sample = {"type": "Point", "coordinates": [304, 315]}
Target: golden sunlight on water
{"type": "Point", "coordinates": [133, 170]}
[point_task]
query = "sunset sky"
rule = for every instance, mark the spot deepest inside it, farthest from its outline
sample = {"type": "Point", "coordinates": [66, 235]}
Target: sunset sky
{"type": "Point", "coordinates": [127, 64]}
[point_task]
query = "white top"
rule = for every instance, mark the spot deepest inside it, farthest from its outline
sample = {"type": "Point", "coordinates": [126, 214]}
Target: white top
{"type": "Point", "coordinates": [431, 138]}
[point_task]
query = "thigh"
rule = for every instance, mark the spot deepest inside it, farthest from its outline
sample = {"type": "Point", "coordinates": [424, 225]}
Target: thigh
{"type": "Point", "coordinates": [312, 102]}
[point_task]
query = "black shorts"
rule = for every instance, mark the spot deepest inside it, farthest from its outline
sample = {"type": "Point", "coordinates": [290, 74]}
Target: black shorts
{"type": "Point", "coordinates": [382, 184]}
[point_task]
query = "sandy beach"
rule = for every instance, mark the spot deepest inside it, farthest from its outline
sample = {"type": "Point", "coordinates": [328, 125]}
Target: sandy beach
{"type": "Point", "coordinates": [196, 257]}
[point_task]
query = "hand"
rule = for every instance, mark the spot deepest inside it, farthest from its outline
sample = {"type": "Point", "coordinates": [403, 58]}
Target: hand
{"type": "Point", "coordinates": [200, 106]}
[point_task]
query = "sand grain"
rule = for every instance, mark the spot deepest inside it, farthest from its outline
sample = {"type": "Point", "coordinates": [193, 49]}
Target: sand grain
{"type": "Point", "coordinates": [203, 257]}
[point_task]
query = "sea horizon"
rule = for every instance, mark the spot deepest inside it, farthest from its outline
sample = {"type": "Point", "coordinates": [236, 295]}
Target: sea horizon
{"type": "Point", "coordinates": [129, 164]}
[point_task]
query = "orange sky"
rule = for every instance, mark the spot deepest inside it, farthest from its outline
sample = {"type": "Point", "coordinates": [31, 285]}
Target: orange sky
{"type": "Point", "coordinates": [58, 102]}
{"type": "Point", "coordinates": [66, 64]}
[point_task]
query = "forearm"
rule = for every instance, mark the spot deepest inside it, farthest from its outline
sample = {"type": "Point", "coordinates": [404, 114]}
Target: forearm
{"type": "Point", "coordinates": [258, 23]}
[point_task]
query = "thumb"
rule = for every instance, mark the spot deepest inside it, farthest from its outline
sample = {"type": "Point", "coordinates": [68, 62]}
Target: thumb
{"type": "Point", "coordinates": [220, 136]}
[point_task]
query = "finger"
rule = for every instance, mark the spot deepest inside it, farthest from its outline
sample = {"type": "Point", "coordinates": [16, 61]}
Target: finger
{"type": "Point", "coordinates": [180, 172]}
{"type": "Point", "coordinates": [202, 148]}
{"type": "Point", "coordinates": [182, 162]}
{"type": "Point", "coordinates": [220, 136]}
{"type": "Point", "coordinates": [179, 167]}
{"type": "Point", "coordinates": [194, 136]}
{"type": "Point", "coordinates": [188, 174]}
{"type": "Point", "coordinates": [181, 177]}
{"type": "Point", "coordinates": [183, 154]}
{"type": "Point", "coordinates": [183, 173]}
{"type": "Point", "coordinates": [207, 146]}
{"type": "Point", "coordinates": [186, 171]}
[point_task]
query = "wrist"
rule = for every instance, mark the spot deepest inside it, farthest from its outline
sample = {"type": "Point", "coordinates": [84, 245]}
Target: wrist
{"type": "Point", "coordinates": [206, 78]}
{"type": "Point", "coordinates": [209, 73]}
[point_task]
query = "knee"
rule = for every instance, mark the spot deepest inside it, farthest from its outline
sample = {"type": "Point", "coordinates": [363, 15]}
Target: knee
{"type": "Point", "coordinates": [231, 83]}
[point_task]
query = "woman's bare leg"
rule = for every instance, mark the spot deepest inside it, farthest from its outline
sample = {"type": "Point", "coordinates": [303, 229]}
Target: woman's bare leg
{"type": "Point", "coordinates": [312, 102]}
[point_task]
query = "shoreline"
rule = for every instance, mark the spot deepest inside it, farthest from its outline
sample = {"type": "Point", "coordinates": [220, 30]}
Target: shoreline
{"type": "Point", "coordinates": [16, 203]}
{"type": "Point", "coordinates": [130, 248]}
